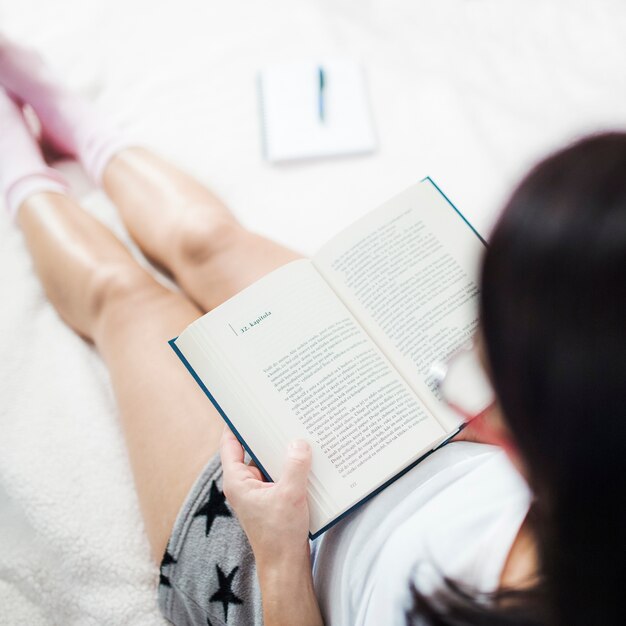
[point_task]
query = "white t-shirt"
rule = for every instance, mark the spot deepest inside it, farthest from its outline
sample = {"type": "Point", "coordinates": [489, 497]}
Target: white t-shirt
{"type": "Point", "coordinates": [455, 514]}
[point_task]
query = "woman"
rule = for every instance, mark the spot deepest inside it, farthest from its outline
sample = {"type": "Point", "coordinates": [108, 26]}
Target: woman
{"type": "Point", "coordinates": [459, 539]}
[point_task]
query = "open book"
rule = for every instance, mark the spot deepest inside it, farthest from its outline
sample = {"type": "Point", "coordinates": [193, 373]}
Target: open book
{"type": "Point", "coordinates": [338, 350]}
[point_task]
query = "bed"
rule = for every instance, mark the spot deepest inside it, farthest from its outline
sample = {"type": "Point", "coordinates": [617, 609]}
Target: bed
{"type": "Point", "coordinates": [470, 92]}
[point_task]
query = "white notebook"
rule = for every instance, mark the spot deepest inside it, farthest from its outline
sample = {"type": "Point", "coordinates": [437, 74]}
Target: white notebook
{"type": "Point", "coordinates": [315, 109]}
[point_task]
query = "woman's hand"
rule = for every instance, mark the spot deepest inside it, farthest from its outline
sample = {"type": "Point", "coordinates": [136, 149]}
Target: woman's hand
{"type": "Point", "coordinates": [473, 432]}
{"type": "Point", "coordinates": [275, 517]}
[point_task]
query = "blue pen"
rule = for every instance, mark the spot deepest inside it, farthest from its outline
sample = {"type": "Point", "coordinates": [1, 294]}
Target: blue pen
{"type": "Point", "coordinates": [320, 109]}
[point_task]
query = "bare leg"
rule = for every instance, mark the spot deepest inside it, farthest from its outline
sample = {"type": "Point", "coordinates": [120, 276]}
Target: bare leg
{"type": "Point", "coordinates": [176, 221]}
{"type": "Point", "coordinates": [184, 228]}
{"type": "Point", "coordinates": [99, 290]}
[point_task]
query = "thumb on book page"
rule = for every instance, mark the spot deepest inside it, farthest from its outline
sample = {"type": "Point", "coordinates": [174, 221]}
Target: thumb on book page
{"type": "Point", "coordinates": [297, 465]}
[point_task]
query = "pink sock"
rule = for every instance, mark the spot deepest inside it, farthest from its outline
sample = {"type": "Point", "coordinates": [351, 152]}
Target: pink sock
{"type": "Point", "coordinates": [70, 123]}
{"type": "Point", "coordinates": [23, 171]}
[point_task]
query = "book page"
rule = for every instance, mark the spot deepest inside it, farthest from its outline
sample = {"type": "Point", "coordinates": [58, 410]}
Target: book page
{"type": "Point", "coordinates": [286, 359]}
{"type": "Point", "coordinates": [409, 273]}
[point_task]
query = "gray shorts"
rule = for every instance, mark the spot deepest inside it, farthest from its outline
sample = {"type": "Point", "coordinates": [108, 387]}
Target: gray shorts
{"type": "Point", "coordinates": [208, 574]}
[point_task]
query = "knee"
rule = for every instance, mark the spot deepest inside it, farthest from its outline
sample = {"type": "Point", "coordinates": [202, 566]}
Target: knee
{"type": "Point", "coordinates": [199, 239]}
{"type": "Point", "coordinates": [115, 285]}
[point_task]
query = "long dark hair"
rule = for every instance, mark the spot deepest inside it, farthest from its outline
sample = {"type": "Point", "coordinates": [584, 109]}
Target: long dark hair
{"type": "Point", "coordinates": [553, 318]}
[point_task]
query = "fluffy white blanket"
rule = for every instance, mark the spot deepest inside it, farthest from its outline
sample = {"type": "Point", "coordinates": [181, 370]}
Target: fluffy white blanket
{"type": "Point", "coordinates": [468, 91]}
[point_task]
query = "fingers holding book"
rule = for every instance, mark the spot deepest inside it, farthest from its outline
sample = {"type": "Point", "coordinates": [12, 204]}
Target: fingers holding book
{"type": "Point", "coordinates": [274, 515]}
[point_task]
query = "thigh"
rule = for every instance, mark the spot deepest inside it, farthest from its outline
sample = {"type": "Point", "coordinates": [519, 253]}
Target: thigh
{"type": "Point", "coordinates": [171, 429]}
{"type": "Point", "coordinates": [225, 270]}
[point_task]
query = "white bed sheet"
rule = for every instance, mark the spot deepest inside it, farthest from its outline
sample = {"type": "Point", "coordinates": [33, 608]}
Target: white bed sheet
{"type": "Point", "coordinates": [471, 92]}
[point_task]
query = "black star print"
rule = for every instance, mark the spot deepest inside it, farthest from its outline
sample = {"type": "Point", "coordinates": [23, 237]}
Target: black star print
{"type": "Point", "coordinates": [225, 594]}
{"type": "Point", "coordinates": [168, 559]}
{"type": "Point", "coordinates": [208, 622]}
{"type": "Point", "coordinates": [214, 507]}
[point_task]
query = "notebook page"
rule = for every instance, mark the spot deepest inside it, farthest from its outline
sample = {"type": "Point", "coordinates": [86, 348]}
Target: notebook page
{"type": "Point", "coordinates": [303, 119]}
